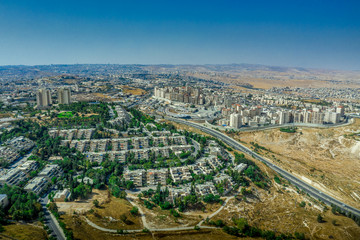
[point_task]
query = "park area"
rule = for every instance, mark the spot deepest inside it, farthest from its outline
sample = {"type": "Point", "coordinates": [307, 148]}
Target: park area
{"type": "Point", "coordinates": [66, 115]}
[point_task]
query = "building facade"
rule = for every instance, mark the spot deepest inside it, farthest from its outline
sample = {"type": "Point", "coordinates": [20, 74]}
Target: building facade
{"type": "Point", "coordinates": [64, 96]}
{"type": "Point", "coordinates": [43, 98]}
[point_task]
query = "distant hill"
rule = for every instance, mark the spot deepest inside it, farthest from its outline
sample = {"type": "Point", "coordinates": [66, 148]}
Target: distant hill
{"type": "Point", "coordinates": [259, 76]}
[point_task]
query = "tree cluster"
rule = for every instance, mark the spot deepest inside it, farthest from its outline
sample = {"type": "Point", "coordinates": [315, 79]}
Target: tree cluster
{"type": "Point", "coordinates": [22, 205]}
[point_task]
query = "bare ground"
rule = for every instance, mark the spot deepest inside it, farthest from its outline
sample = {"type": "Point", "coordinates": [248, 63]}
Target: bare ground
{"type": "Point", "coordinates": [323, 157]}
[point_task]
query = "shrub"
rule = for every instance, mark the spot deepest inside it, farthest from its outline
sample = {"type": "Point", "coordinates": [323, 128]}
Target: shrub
{"type": "Point", "coordinates": [320, 219]}
{"type": "Point", "coordinates": [134, 211]}
{"type": "Point", "coordinates": [174, 213]}
{"type": "Point", "coordinates": [277, 180]}
{"type": "Point", "coordinates": [96, 203]}
{"type": "Point", "coordinates": [148, 204]}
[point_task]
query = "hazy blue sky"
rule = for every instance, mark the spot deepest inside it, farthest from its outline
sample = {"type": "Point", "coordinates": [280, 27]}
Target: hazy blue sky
{"type": "Point", "coordinates": [319, 34]}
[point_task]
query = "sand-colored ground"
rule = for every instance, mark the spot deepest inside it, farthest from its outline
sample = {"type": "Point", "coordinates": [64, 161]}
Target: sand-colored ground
{"type": "Point", "coordinates": [94, 97]}
{"type": "Point", "coordinates": [323, 157]}
{"type": "Point", "coordinates": [83, 206]}
{"type": "Point", "coordinates": [279, 210]}
{"type": "Point", "coordinates": [158, 218]}
{"type": "Point", "coordinates": [268, 78]}
{"type": "Point", "coordinates": [131, 90]}
{"type": "Point", "coordinates": [109, 215]}
{"type": "Point", "coordinates": [83, 231]}
{"type": "Point", "coordinates": [19, 231]}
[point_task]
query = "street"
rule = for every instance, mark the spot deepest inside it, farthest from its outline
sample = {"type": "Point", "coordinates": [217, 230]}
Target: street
{"type": "Point", "coordinates": [51, 221]}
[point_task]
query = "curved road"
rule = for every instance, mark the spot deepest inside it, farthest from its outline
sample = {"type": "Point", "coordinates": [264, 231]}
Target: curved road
{"type": "Point", "coordinates": [316, 193]}
{"type": "Point", "coordinates": [145, 224]}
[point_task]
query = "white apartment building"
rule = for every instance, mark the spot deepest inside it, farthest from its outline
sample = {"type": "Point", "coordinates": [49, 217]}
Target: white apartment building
{"type": "Point", "coordinates": [235, 120]}
{"type": "Point", "coordinates": [36, 185]}
{"type": "Point", "coordinates": [50, 171]}
{"type": "Point", "coordinates": [13, 177]}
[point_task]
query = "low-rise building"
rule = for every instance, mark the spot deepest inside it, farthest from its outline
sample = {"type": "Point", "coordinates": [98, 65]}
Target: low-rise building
{"type": "Point", "coordinates": [85, 180]}
{"type": "Point", "coordinates": [50, 171]}
{"type": "Point", "coordinates": [13, 177]}
{"type": "Point", "coordinates": [60, 196]}
{"type": "Point", "coordinates": [28, 166]}
{"type": "Point", "coordinates": [20, 143]}
{"type": "Point", "coordinates": [155, 177]}
{"type": "Point", "coordinates": [213, 161]}
{"type": "Point", "coordinates": [205, 189]}
{"type": "Point", "coordinates": [36, 185]}
{"type": "Point", "coordinates": [179, 174]}
{"type": "Point", "coordinates": [227, 181]}
{"type": "Point", "coordinates": [181, 192]}
{"type": "Point", "coordinates": [138, 177]}
{"type": "Point", "coordinates": [8, 154]}
{"type": "Point", "coordinates": [241, 167]}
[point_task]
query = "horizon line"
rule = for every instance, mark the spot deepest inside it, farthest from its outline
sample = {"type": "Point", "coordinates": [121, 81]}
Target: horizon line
{"type": "Point", "coordinates": [179, 64]}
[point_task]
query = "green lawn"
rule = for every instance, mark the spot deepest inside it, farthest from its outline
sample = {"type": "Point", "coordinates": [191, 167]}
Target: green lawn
{"type": "Point", "coordinates": [65, 115]}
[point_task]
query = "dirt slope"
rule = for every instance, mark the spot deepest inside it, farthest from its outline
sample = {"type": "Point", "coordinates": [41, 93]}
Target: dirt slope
{"type": "Point", "coordinates": [329, 158]}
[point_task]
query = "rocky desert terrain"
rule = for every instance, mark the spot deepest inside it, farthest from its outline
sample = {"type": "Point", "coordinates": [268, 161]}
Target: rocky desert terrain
{"type": "Point", "coordinates": [328, 158]}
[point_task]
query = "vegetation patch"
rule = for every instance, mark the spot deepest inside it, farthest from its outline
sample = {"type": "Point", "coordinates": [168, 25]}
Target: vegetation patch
{"type": "Point", "coordinates": [116, 214]}
{"type": "Point", "coordinates": [65, 115]}
{"type": "Point", "coordinates": [23, 205]}
{"type": "Point", "coordinates": [288, 129]}
{"type": "Point", "coordinates": [24, 231]}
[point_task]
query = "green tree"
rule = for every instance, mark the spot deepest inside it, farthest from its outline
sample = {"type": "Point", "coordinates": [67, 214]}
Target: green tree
{"type": "Point", "coordinates": [134, 211]}
{"type": "Point", "coordinates": [96, 203]}
{"type": "Point", "coordinates": [320, 219]}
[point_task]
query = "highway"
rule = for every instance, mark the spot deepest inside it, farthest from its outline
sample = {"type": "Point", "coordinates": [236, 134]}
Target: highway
{"type": "Point", "coordinates": [314, 192]}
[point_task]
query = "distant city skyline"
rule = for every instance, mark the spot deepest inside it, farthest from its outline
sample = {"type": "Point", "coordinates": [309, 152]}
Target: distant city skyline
{"type": "Point", "coordinates": [310, 34]}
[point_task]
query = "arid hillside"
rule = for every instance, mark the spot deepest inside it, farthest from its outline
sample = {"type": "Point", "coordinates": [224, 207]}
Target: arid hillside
{"type": "Point", "coordinates": [328, 158]}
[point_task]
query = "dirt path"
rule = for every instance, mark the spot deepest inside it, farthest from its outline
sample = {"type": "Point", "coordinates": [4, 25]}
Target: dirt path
{"type": "Point", "coordinates": [145, 224]}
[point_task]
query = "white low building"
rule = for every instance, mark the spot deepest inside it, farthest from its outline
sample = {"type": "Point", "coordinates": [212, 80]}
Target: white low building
{"type": "Point", "coordinates": [36, 185]}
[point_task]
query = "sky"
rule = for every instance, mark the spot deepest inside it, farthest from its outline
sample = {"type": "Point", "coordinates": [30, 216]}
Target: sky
{"type": "Point", "coordinates": [299, 33]}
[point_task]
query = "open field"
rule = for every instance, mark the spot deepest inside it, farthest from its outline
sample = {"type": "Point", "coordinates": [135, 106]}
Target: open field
{"type": "Point", "coordinates": [132, 90]}
{"type": "Point", "coordinates": [326, 158]}
{"type": "Point", "coordinates": [24, 231]}
{"type": "Point", "coordinates": [157, 218]}
{"type": "Point", "coordinates": [89, 97]}
{"type": "Point", "coordinates": [84, 231]}
{"type": "Point", "coordinates": [82, 206]}
{"type": "Point", "coordinates": [110, 213]}
{"type": "Point", "coordinates": [65, 115]}
{"type": "Point", "coordinates": [105, 97]}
